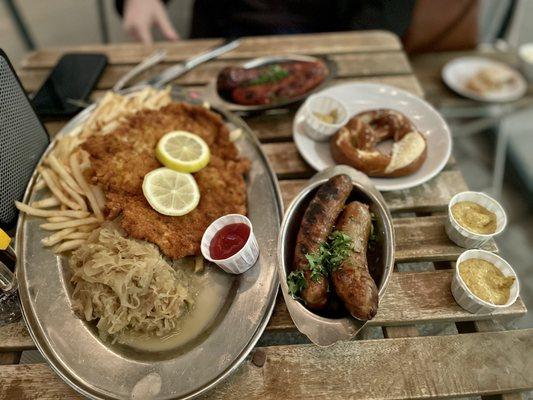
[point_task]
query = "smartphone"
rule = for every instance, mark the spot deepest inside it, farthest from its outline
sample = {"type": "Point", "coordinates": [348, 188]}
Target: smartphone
{"type": "Point", "coordinates": [72, 79]}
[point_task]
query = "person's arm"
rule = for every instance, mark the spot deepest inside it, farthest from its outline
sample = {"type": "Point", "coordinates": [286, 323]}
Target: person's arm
{"type": "Point", "coordinates": [141, 15]}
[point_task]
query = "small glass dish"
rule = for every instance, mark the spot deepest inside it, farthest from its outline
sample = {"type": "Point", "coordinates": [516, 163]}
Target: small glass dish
{"type": "Point", "coordinates": [241, 261]}
{"type": "Point", "coordinates": [468, 300]}
{"type": "Point", "coordinates": [464, 237]}
{"type": "Point", "coordinates": [315, 127]}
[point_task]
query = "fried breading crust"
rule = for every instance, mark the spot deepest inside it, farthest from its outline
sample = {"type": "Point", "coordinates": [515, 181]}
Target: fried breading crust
{"type": "Point", "coordinates": [122, 158]}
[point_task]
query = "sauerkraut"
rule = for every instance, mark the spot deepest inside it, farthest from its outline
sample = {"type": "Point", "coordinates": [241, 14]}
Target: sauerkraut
{"type": "Point", "coordinates": [126, 285]}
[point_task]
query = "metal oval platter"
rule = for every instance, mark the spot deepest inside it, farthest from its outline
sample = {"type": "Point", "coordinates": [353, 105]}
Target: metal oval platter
{"type": "Point", "coordinates": [213, 96]}
{"type": "Point", "coordinates": [99, 369]}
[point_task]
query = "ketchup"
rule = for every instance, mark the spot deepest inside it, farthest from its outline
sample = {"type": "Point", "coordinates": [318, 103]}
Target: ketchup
{"type": "Point", "coordinates": [228, 241]}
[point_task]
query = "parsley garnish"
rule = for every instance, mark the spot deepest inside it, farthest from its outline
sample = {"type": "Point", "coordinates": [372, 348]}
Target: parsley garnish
{"type": "Point", "coordinates": [274, 73]}
{"type": "Point", "coordinates": [326, 259]}
{"type": "Point", "coordinates": [373, 239]}
{"type": "Point", "coordinates": [296, 282]}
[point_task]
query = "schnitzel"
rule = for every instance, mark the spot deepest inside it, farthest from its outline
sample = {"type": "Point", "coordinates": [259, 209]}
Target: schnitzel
{"type": "Point", "coordinates": [122, 158]}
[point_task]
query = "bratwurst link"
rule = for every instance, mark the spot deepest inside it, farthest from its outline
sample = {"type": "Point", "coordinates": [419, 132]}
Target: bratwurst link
{"type": "Point", "coordinates": [352, 281]}
{"type": "Point", "coordinates": [317, 223]}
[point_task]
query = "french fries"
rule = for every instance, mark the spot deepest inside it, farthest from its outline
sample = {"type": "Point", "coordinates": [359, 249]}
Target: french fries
{"type": "Point", "coordinates": [57, 237]}
{"type": "Point", "coordinates": [63, 173]}
{"type": "Point", "coordinates": [56, 190]}
{"type": "Point", "coordinates": [51, 201]}
{"type": "Point", "coordinates": [55, 226]}
{"type": "Point", "coordinates": [80, 179]}
{"type": "Point", "coordinates": [69, 245]}
{"type": "Point", "coordinates": [38, 212]}
{"type": "Point", "coordinates": [75, 207]}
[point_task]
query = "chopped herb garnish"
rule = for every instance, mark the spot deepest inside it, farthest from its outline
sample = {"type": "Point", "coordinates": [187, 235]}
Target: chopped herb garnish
{"type": "Point", "coordinates": [326, 259]}
{"type": "Point", "coordinates": [273, 73]}
{"type": "Point", "coordinates": [296, 282]}
{"type": "Point", "coordinates": [340, 246]}
{"type": "Point", "coordinates": [373, 239]}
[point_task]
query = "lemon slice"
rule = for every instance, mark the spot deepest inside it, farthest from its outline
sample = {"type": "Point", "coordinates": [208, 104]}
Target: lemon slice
{"type": "Point", "coordinates": [170, 192]}
{"type": "Point", "coordinates": [183, 151]}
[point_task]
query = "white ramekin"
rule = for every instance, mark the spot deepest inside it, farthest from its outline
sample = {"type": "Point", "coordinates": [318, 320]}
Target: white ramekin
{"type": "Point", "coordinates": [470, 302]}
{"type": "Point", "coordinates": [525, 54]}
{"type": "Point", "coordinates": [241, 261]}
{"type": "Point", "coordinates": [313, 126]}
{"type": "Point", "coordinates": [464, 237]}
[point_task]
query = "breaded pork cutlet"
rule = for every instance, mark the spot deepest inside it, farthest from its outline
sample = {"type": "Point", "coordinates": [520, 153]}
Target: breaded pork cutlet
{"type": "Point", "coordinates": [122, 158]}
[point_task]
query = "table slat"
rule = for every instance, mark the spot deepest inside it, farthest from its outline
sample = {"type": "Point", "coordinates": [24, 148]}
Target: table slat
{"type": "Point", "coordinates": [424, 239]}
{"type": "Point", "coordinates": [431, 196]}
{"type": "Point", "coordinates": [401, 368]}
{"type": "Point", "coordinates": [411, 298]}
{"type": "Point", "coordinates": [348, 65]}
{"type": "Point", "coordinates": [321, 43]}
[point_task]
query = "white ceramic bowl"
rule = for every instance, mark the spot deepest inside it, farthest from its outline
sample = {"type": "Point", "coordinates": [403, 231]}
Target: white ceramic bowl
{"type": "Point", "coordinates": [468, 300]}
{"type": "Point", "coordinates": [525, 54]}
{"type": "Point", "coordinates": [464, 237]}
{"type": "Point", "coordinates": [313, 126]}
{"type": "Point", "coordinates": [241, 261]}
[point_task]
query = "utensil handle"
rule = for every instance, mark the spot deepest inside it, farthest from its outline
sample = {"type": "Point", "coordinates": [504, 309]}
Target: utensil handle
{"type": "Point", "coordinates": [7, 278]}
{"type": "Point", "coordinates": [210, 54]}
{"type": "Point", "coordinates": [177, 70]}
{"type": "Point", "coordinates": [153, 59]}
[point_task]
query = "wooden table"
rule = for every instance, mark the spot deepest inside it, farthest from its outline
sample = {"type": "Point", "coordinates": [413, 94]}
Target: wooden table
{"type": "Point", "coordinates": [476, 357]}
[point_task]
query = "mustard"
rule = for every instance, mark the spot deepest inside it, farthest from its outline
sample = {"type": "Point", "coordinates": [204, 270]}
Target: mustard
{"type": "Point", "coordinates": [474, 217]}
{"type": "Point", "coordinates": [486, 280]}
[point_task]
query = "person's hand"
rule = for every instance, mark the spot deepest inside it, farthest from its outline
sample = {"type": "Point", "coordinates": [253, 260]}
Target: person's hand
{"type": "Point", "coordinates": [141, 15]}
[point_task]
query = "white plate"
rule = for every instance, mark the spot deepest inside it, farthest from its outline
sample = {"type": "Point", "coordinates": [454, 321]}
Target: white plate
{"type": "Point", "coordinates": [358, 97]}
{"type": "Point", "coordinates": [456, 74]}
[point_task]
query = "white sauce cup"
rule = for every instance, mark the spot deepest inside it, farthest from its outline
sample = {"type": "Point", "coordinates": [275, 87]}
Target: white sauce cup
{"type": "Point", "coordinates": [468, 300]}
{"type": "Point", "coordinates": [241, 261]}
{"type": "Point", "coordinates": [313, 126]}
{"type": "Point", "coordinates": [464, 237]}
{"type": "Point", "coordinates": [525, 54]}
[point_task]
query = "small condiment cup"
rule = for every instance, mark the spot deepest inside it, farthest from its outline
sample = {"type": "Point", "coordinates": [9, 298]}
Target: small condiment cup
{"type": "Point", "coordinates": [464, 237]}
{"type": "Point", "coordinates": [241, 261]}
{"type": "Point", "coordinates": [313, 126]}
{"type": "Point", "coordinates": [468, 300]}
{"type": "Point", "coordinates": [525, 54]}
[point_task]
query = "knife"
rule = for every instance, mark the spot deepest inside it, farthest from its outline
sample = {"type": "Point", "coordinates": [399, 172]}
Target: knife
{"type": "Point", "coordinates": [147, 63]}
{"type": "Point", "coordinates": [179, 69]}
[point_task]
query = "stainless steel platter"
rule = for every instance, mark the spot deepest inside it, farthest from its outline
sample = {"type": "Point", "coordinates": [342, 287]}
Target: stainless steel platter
{"type": "Point", "coordinates": [327, 330]}
{"type": "Point", "coordinates": [213, 96]}
{"type": "Point", "coordinates": [101, 370]}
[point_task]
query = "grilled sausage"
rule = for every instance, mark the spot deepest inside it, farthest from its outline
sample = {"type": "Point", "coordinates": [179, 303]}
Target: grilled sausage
{"type": "Point", "coordinates": [352, 281]}
{"type": "Point", "coordinates": [317, 223]}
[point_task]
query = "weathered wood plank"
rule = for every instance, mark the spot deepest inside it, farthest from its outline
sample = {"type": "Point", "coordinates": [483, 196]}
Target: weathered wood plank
{"type": "Point", "coordinates": [411, 298]}
{"type": "Point", "coordinates": [286, 160]}
{"type": "Point", "coordinates": [348, 65]}
{"type": "Point", "coordinates": [289, 164]}
{"type": "Point", "coordinates": [403, 368]}
{"type": "Point", "coordinates": [10, 357]}
{"type": "Point", "coordinates": [15, 337]}
{"type": "Point", "coordinates": [424, 239]}
{"type": "Point", "coordinates": [393, 332]}
{"type": "Point", "coordinates": [464, 366]}
{"type": "Point", "coordinates": [322, 43]}
{"type": "Point", "coordinates": [33, 381]}
{"type": "Point", "coordinates": [433, 195]}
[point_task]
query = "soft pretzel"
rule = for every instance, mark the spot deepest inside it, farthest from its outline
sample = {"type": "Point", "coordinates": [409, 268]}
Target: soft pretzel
{"type": "Point", "coordinates": [355, 144]}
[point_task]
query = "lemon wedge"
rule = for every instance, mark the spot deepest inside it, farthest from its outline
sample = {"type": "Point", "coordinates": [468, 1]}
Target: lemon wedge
{"type": "Point", "coordinates": [170, 192]}
{"type": "Point", "coordinates": [183, 151]}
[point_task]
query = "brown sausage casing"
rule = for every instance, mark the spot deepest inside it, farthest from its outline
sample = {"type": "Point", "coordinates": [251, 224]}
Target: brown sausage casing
{"type": "Point", "coordinates": [352, 281]}
{"type": "Point", "coordinates": [317, 223]}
